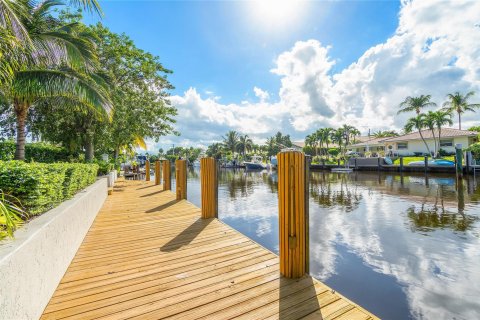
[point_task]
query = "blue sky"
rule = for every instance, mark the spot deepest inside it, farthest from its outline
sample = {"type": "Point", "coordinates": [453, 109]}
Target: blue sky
{"type": "Point", "coordinates": [215, 46]}
{"type": "Point", "coordinates": [262, 66]}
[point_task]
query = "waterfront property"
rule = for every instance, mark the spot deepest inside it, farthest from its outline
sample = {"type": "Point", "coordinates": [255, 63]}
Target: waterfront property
{"type": "Point", "coordinates": [412, 143]}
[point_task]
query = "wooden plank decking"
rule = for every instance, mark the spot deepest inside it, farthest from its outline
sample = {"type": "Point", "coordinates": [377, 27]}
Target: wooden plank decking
{"type": "Point", "coordinates": [148, 256]}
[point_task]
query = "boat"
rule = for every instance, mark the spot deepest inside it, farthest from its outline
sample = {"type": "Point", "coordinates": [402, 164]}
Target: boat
{"type": "Point", "coordinates": [433, 163]}
{"type": "Point", "coordinates": [255, 164]}
{"type": "Point", "coordinates": [273, 162]}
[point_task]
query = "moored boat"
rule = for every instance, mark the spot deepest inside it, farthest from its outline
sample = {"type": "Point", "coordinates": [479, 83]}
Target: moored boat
{"type": "Point", "coordinates": [255, 164]}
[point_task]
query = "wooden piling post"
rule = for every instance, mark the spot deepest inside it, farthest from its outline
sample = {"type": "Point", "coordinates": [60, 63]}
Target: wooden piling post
{"type": "Point", "coordinates": [209, 187]}
{"type": "Point", "coordinates": [459, 160]}
{"type": "Point", "coordinates": [293, 212]}
{"type": "Point", "coordinates": [167, 180]}
{"type": "Point", "coordinates": [157, 172]}
{"type": "Point", "coordinates": [401, 163]}
{"type": "Point", "coordinates": [181, 179]}
{"type": "Point", "coordinates": [426, 163]}
{"type": "Point", "coordinates": [147, 170]}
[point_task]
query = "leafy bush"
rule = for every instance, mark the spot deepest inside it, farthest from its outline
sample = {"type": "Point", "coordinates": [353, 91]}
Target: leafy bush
{"type": "Point", "coordinates": [40, 187]}
{"type": "Point", "coordinates": [475, 149]}
{"type": "Point", "coordinates": [104, 167]}
{"type": "Point", "coordinates": [38, 151]}
{"type": "Point", "coordinates": [333, 152]}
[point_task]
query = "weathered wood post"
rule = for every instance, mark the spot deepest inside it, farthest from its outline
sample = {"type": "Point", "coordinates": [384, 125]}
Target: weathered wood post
{"type": "Point", "coordinates": [209, 187]}
{"type": "Point", "coordinates": [425, 160]}
{"type": "Point", "coordinates": [147, 170]}
{"type": "Point", "coordinates": [467, 162]}
{"type": "Point", "coordinates": [401, 163]}
{"type": "Point", "coordinates": [459, 160]}
{"type": "Point", "coordinates": [167, 180]}
{"type": "Point", "coordinates": [378, 163]}
{"type": "Point", "coordinates": [293, 212]}
{"type": "Point", "coordinates": [355, 161]}
{"type": "Point", "coordinates": [157, 172]}
{"type": "Point", "coordinates": [181, 179]}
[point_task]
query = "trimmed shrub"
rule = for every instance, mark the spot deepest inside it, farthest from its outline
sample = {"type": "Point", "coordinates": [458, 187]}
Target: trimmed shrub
{"type": "Point", "coordinates": [40, 187]}
{"type": "Point", "coordinates": [38, 151]}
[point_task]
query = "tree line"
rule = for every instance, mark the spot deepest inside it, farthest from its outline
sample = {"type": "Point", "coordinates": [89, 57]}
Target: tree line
{"type": "Point", "coordinates": [435, 120]}
{"type": "Point", "coordinates": [240, 146]}
{"type": "Point", "coordinates": [84, 87]}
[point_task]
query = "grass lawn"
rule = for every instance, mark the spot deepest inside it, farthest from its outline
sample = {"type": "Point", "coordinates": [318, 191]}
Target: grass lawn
{"type": "Point", "coordinates": [407, 160]}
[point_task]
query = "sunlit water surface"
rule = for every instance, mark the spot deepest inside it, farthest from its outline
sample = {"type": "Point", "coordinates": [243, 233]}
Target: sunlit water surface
{"type": "Point", "coordinates": [403, 247]}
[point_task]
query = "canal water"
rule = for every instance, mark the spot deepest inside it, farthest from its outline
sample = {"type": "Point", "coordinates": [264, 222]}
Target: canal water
{"type": "Point", "coordinates": [402, 246]}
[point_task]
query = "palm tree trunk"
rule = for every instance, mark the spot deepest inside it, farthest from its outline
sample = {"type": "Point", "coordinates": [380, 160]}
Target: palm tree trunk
{"type": "Point", "coordinates": [459, 121]}
{"type": "Point", "coordinates": [435, 150]}
{"type": "Point", "coordinates": [21, 111]}
{"type": "Point", "coordinates": [89, 149]}
{"type": "Point", "coordinates": [439, 137]}
{"type": "Point", "coordinates": [425, 142]}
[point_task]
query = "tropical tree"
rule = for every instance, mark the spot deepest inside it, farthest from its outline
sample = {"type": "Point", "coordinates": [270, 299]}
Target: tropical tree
{"type": "Point", "coordinates": [429, 122]}
{"type": "Point", "coordinates": [417, 123]}
{"type": "Point", "coordinates": [244, 144]}
{"type": "Point", "coordinates": [55, 65]}
{"type": "Point", "coordinates": [416, 104]}
{"type": "Point", "coordinates": [458, 102]}
{"type": "Point", "coordinates": [230, 141]}
{"type": "Point", "coordinates": [385, 134]}
{"type": "Point", "coordinates": [440, 118]}
{"type": "Point", "coordinates": [338, 136]}
{"type": "Point", "coordinates": [215, 150]}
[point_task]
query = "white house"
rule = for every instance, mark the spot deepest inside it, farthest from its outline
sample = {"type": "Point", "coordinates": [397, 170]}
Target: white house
{"type": "Point", "coordinates": [412, 143]}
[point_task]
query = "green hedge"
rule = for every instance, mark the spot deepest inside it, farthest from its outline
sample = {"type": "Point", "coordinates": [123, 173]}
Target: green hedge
{"type": "Point", "coordinates": [41, 186]}
{"type": "Point", "coordinates": [38, 151]}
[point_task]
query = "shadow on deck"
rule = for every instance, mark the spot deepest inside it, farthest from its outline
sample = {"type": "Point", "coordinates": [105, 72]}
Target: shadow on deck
{"type": "Point", "coordinates": [149, 256]}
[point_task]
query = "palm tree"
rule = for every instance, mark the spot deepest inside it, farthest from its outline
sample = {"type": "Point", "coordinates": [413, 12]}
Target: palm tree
{"type": "Point", "coordinates": [244, 144]}
{"type": "Point", "coordinates": [441, 118]}
{"type": "Point", "coordinates": [54, 65]}
{"type": "Point", "coordinates": [417, 123]}
{"type": "Point", "coordinates": [458, 103]}
{"type": "Point", "coordinates": [327, 132]}
{"type": "Point", "coordinates": [338, 137]}
{"type": "Point", "coordinates": [429, 122]}
{"type": "Point", "coordinates": [230, 141]}
{"type": "Point", "coordinates": [416, 104]}
{"type": "Point", "coordinates": [385, 134]}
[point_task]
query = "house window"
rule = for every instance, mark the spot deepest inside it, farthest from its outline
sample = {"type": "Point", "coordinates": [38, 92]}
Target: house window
{"type": "Point", "coordinates": [402, 146]}
{"type": "Point", "coordinates": [446, 143]}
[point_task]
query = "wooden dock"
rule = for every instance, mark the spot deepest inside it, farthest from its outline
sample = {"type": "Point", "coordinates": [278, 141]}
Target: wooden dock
{"type": "Point", "coordinates": [150, 256]}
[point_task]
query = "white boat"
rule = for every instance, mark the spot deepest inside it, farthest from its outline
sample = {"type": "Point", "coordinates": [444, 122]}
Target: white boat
{"type": "Point", "coordinates": [255, 164]}
{"type": "Point", "coordinates": [274, 162]}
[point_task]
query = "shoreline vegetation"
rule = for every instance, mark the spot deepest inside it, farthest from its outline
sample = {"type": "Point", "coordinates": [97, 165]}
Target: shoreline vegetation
{"type": "Point", "coordinates": [84, 96]}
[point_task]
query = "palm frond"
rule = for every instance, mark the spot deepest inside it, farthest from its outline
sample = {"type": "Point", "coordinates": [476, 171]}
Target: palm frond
{"type": "Point", "coordinates": [11, 15]}
{"type": "Point", "coordinates": [90, 5]}
{"type": "Point", "coordinates": [31, 85]}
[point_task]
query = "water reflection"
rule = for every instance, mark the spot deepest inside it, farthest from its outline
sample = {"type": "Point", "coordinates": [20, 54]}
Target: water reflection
{"type": "Point", "coordinates": [403, 246]}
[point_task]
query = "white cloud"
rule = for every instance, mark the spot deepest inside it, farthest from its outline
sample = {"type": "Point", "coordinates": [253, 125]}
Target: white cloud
{"type": "Point", "coordinates": [434, 51]}
{"type": "Point", "coordinates": [261, 94]}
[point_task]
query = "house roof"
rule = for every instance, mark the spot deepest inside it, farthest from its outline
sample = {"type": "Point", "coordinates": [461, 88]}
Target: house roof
{"type": "Point", "coordinates": [370, 142]}
{"type": "Point", "coordinates": [427, 134]}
